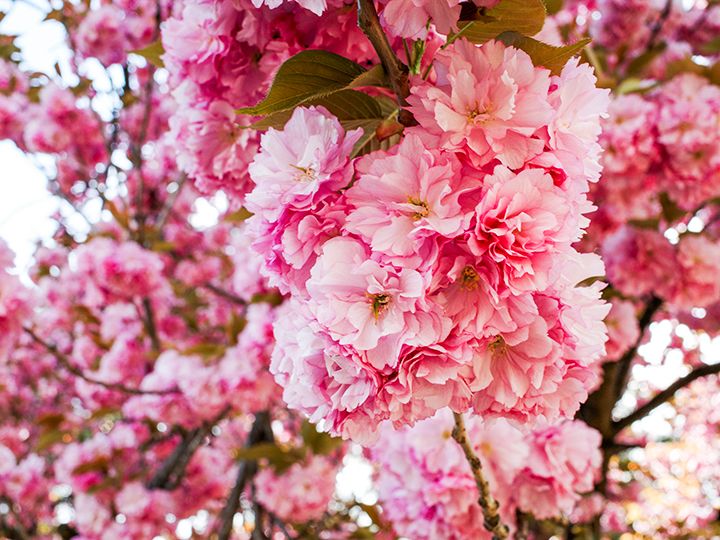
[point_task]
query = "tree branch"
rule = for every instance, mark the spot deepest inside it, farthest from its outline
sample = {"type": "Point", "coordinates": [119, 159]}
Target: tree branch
{"type": "Point", "coordinates": [227, 295]}
{"type": "Point", "coordinates": [171, 472]}
{"type": "Point", "coordinates": [487, 502]}
{"type": "Point", "coordinates": [68, 365]}
{"type": "Point", "coordinates": [369, 23]}
{"type": "Point", "coordinates": [665, 395]}
{"type": "Point", "coordinates": [150, 327]}
{"type": "Point", "coordinates": [261, 431]}
{"type": "Point", "coordinates": [625, 362]}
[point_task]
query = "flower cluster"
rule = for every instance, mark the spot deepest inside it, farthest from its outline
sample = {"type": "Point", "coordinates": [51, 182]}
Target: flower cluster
{"type": "Point", "coordinates": [441, 272]}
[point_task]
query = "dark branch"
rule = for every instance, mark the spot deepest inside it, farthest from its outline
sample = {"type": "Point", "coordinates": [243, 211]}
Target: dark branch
{"type": "Point", "coordinates": [150, 327]}
{"type": "Point", "coordinates": [65, 362]}
{"type": "Point", "coordinates": [369, 22]}
{"type": "Point", "coordinates": [261, 431]}
{"type": "Point", "coordinates": [625, 362]}
{"type": "Point", "coordinates": [490, 507]}
{"type": "Point", "coordinates": [665, 395]}
{"type": "Point", "coordinates": [227, 295]}
{"type": "Point", "coordinates": [172, 471]}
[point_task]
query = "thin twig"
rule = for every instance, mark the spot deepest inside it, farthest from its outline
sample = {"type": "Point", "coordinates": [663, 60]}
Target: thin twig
{"type": "Point", "coordinates": [490, 507]}
{"type": "Point", "coordinates": [68, 365]}
{"type": "Point", "coordinates": [227, 295]}
{"type": "Point", "coordinates": [665, 395]}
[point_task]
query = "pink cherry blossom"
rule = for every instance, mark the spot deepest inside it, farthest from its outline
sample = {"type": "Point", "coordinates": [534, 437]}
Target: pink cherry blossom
{"type": "Point", "coordinates": [489, 100]}
{"type": "Point", "coordinates": [295, 167]}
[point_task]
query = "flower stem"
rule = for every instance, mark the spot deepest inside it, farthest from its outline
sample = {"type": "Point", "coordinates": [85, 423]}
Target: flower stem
{"type": "Point", "coordinates": [490, 507]}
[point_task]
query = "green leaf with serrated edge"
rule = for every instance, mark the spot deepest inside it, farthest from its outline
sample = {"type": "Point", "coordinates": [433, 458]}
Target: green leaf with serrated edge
{"type": "Point", "coordinates": [152, 53]}
{"type": "Point", "coordinates": [312, 74]}
{"type": "Point", "coordinates": [354, 110]}
{"type": "Point", "coordinates": [375, 76]}
{"type": "Point", "coordinates": [523, 16]}
{"type": "Point", "coordinates": [344, 104]}
{"type": "Point", "coordinates": [542, 54]}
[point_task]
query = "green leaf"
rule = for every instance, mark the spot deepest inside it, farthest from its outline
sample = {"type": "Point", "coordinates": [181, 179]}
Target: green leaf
{"type": "Point", "coordinates": [310, 75]}
{"type": "Point", "coordinates": [553, 6]}
{"type": "Point", "coordinates": [318, 442]}
{"type": "Point", "coordinates": [152, 53]}
{"type": "Point", "coordinates": [670, 211]}
{"type": "Point", "coordinates": [632, 85]}
{"type": "Point", "coordinates": [237, 216]}
{"type": "Point", "coordinates": [374, 115]}
{"type": "Point", "coordinates": [542, 54]}
{"type": "Point", "coordinates": [280, 458]}
{"type": "Point", "coordinates": [344, 104]}
{"type": "Point", "coordinates": [206, 350]}
{"type": "Point", "coordinates": [640, 62]}
{"type": "Point", "coordinates": [523, 16]}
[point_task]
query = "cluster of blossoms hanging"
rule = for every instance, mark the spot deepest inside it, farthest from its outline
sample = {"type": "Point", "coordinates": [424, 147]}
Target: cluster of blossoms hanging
{"type": "Point", "coordinates": [440, 272]}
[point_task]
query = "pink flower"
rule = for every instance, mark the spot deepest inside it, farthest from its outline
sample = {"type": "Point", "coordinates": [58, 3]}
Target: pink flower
{"type": "Point", "coordinates": [368, 304]}
{"type": "Point", "coordinates": [101, 35]}
{"type": "Point", "coordinates": [623, 329]}
{"type": "Point", "coordinates": [564, 461]}
{"type": "Point", "coordinates": [301, 493]}
{"type": "Point", "coordinates": [487, 100]}
{"type": "Point", "coordinates": [322, 380]}
{"type": "Point", "coordinates": [316, 6]}
{"type": "Point", "coordinates": [697, 283]}
{"type": "Point", "coordinates": [405, 200]}
{"type": "Point", "coordinates": [426, 486]}
{"type": "Point", "coordinates": [409, 18]}
{"type": "Point", "coordinates": [290, 246]}
{"type": "Point", "coordinates": [638, 261]}
{"type": "Point", "coordinates": [297, 166]}
{"type": "Point", "coordinates": [521, 223]}
{"type": "Point", "coordinates": [575, 126]}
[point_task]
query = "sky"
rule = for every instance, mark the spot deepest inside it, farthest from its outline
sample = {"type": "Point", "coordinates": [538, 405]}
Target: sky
{"type": "Point", "coordinates": [26, 206]}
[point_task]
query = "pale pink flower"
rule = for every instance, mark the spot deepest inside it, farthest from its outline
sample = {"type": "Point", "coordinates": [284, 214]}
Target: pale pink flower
{"type": "Point", "coordinates": [301, 493]}
{"type": "Point", "coordinates": [564, 462]}
{"type": "Point", "coordinates": [521, 224]}
{"type": "Point", "coordinates": [697, 282]}
{"type": "Point", "coordinates": [298, 165]}
{"type": "Point", "coordinates": [639, 261]}
{"type": "Point", "coordinates": [488, 101]}
{"type": "Point", "coordinates": [409, 18]}
{"type": "Point", "coordinates": [623, 329]}
{"type": "Point", "coordinates": [368, 304]}
{"type": "Point", "coordinates": [405, 199]}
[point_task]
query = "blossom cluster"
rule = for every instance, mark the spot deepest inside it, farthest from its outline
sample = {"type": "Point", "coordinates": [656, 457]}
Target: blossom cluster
{"type": "Point", "coordinates": [432, 494]}
{"type": "Point", "coordinates": [440, 272]}
{"type": "Point", "coordinates": [221, 56]}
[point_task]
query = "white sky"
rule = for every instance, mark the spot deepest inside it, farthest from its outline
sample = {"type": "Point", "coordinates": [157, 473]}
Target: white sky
{"type": "Point", "coordinates": [25, 204]}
